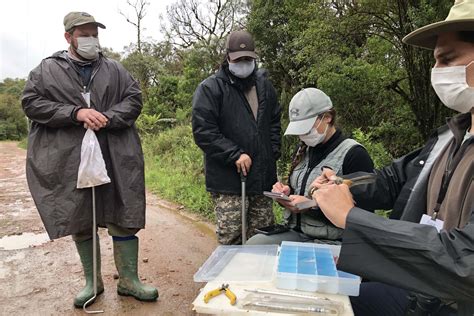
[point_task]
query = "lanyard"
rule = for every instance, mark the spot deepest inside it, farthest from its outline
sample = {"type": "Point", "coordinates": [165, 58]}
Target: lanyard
{"type": "Point", "coordinates": [455, 156]}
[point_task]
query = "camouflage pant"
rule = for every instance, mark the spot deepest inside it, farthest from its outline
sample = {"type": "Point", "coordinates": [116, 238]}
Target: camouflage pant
{"type": "Point", "coordinates": [228, 211]}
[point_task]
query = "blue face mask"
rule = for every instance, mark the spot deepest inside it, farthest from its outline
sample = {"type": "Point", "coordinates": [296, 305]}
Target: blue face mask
{"type": "Point", "coordinates": [242, 69]}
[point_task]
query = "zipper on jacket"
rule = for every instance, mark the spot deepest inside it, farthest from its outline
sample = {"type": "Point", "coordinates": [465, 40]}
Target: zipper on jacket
{"type": "Point", "coordinates": [96, 70]}
{"type": "Point", "coordinates": [254, 120]}
{"type": "Point", "coordinates": [249, 108]}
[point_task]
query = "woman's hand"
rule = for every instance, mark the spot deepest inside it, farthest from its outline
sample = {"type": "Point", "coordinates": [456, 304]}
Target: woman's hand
{"type": "Point", "coordinates": [279, 187]}
{"type": "Point", "coordinates": [291, 206]}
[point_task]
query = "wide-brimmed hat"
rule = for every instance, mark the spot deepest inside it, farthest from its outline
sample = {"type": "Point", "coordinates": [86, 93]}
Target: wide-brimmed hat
{"type": "Point", "coordinates": [73, 19]}
{"type": "Point", "coordinates": [304, 108]}
{"type": "Point", "coordinates": [240, 44]}
{"type": "Point", "coordinates": [460, 18]}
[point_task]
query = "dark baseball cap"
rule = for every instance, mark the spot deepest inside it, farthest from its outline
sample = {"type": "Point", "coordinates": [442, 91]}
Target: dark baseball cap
{"type": "Point", "coordinates": [73, 19]}
{"type": "Point", "coordinates": [240, 44]}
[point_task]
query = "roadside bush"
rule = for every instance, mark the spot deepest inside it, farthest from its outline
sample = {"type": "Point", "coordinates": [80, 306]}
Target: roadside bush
{"type": "Point", "coordinates": [13, 124]}
{"type": "Point", "coordinates": [147, 124]}
{"type": "Point", "coordinates": [23, 143]}
{"type": "Point", "coordinates": [376, 150]}
{"type": "Point", "coordinates": [174, 169]}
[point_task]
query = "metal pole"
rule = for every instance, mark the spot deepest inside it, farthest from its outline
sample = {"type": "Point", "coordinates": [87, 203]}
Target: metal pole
{"type": "Point", "coordinates": [94, 256]}
{"type": "Point", "coordinates": [244, 213]}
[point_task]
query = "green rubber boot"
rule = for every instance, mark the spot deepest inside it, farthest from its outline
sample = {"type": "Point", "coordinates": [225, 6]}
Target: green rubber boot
{"type": "Point", "coordinates": [126, 260]}
{"type": "Point", "coordinates": [84, 248]}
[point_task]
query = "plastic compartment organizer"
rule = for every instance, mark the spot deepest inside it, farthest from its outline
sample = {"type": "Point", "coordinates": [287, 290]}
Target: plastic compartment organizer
{"type": "Point", "coordinates": [312, 267]}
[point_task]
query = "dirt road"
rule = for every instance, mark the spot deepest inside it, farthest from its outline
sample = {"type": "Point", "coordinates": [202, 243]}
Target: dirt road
{"type": "Point", "coordinates": [41, 277]}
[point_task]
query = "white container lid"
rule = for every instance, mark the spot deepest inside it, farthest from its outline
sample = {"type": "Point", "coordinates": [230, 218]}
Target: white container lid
{"type": "Point", "coordinates": [247, 263]}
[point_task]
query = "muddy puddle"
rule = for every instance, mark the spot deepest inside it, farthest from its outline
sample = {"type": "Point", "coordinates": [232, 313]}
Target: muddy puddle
{"type": "Point", "coordinates": [22, 241]}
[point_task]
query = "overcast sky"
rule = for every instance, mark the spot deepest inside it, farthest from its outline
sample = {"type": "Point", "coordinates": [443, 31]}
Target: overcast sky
{"type": "Point", "coordinates": [31, 30]}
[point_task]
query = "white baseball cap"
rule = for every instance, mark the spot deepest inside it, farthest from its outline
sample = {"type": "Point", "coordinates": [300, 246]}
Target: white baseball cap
{"type": "Point", "coordinates": [304, 108]}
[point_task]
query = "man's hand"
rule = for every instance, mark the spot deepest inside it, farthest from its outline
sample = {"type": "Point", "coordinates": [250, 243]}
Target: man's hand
{"type": "Point", "coordinates": [243, 164]}
{"type": "Point", "coordinates": [326, 177]}
{"type": "Point", "coordinates": [279, 187]}
{"type": "Point", "coordinates": [92, 119]}
{"type": "Point", "coordinates": [335, 201]}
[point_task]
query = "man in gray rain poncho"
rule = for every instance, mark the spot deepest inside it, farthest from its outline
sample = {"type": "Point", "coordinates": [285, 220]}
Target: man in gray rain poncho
{"type": "Point", "coordinates": [54, 100]}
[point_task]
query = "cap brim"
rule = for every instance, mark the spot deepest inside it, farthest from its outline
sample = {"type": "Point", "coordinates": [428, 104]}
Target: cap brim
{"type": "Point", "coordinates": [237, 55]}
{"type": "Point", "coordinates": [426, 36]}
{"type": "Point", "coordinates": [300, 127]}
{"type": "Point", "coordinates": [102, 26]}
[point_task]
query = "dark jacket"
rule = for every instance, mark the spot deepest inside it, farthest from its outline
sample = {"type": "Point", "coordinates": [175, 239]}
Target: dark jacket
{"type": "Point", "coordinates": [51, 98]}
{"type": "Point", "coordinates": [224, 128]}
{"type": "Point", "coordinates": [404, 253]}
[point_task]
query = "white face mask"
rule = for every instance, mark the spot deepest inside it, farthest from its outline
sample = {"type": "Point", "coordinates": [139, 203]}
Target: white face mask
{"type": "Point", "coordinates": [242, 69]}
{"type": "Point", "coordinates": [451, 87]}
{"type": "Point", "coordinates": [88, 47]}
{"type": "Point", "coordinates": [314, 138]}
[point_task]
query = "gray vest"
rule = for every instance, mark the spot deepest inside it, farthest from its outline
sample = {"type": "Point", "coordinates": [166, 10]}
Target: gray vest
{"type": "Point", "coordinates": [313, 222]}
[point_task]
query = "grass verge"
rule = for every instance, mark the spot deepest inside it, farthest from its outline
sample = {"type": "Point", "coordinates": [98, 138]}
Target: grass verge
{"type": "Point", "coordinates": [23, 143]}
{"type": "Point", "coordinates": [174, 169]}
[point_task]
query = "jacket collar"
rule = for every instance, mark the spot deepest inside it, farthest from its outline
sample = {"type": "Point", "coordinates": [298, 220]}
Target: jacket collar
{"type": "Point", "coordinates": [458, 125]}
{"type": "Point", "coordinates": [63, 54]}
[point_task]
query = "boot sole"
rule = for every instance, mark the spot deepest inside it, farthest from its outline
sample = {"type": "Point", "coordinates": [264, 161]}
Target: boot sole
{"type": "Point", "coordinates": [98, 293]}
{"type": "Point", "coordinates": [137, 298]}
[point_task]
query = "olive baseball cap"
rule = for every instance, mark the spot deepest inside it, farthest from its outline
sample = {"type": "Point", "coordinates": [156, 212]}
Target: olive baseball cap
{"type": "Point", "coordinates": [460, 18]}
{"type": "Point", "coordinates": [240, 44]}
{"type": "Point", "coordinates": [304, 108]}
{"type": "Point", "coordinates": [73, 19]}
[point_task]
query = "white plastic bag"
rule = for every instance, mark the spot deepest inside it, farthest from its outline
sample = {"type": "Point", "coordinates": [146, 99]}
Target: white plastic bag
{"type": "Point", "coordinates": [92, 171]}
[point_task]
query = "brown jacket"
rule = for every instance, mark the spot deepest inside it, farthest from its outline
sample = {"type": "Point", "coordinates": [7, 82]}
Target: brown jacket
{"type": "Point", "coordinates": [456, 207]}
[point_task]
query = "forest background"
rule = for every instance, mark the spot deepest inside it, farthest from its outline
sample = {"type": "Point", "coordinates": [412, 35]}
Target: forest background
{"type": "Point", "coordinates": [350, 49]}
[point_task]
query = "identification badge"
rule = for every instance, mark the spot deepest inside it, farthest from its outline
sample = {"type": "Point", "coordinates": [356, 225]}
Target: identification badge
{"type": "Point", "coordinates": [87, 98]}
{"type": "Point", "coordinates": [427, 220]}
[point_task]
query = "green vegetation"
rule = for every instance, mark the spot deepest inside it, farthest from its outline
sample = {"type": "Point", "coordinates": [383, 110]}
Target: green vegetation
{"type": "Point", "coordinates": [174, 169]}
{"type": "Point", "coordinates": [377, 152]}
{"type": "Point", "coordinates": [23, 143]}
{"type": "Point", "coordinates": [13, 123]}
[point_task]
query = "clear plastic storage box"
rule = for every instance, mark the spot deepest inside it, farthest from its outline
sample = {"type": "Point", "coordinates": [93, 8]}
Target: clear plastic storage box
{"type": "Point", "coordinates": [312, 267]}
{"type": "Point", "coordinates": [239, 263]}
